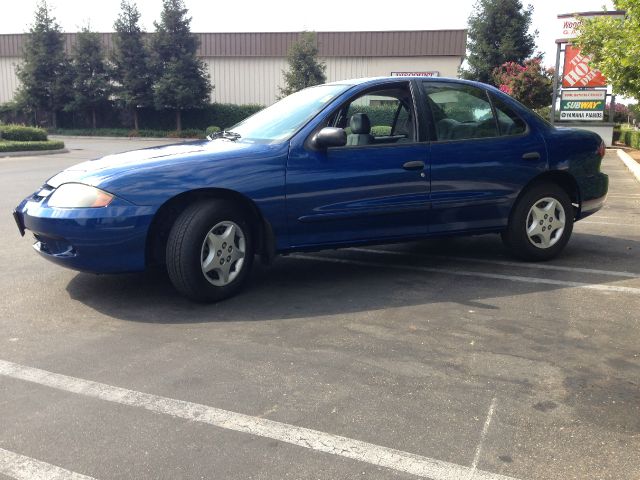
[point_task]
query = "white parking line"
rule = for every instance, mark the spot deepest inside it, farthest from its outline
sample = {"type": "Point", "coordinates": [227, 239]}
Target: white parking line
{"type": "Point", "coordinates": [303, 437]}
{"type": "Point", "coordinates": [626, 225]}
{"type": "Point", "coordinates": [467, 273]}
{"type": "Point", "coordinates": [506, 263]}
{"type": "Point", "coordinates": [607, 217]}
{"type": "Point", "coordinates": [483, 435]}
{"type": "Point", "coordinates": [20, 467]}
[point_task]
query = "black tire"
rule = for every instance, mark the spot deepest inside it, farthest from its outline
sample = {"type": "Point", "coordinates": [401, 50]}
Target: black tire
{"type": "Point", "coordinates": [516, 238]}
{"type": "Point", "coordinates": [186, 245]}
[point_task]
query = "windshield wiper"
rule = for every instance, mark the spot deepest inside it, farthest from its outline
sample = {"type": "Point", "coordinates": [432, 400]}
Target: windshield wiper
{"type": "Point", "coordinates": [233, 136]}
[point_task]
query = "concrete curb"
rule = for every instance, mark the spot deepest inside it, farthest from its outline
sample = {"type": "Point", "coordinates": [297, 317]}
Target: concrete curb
{"type": "Point", "coordinates": [144, 139]}
{"type": "Point", "coordinates": [630, 163]}
{"type": "Point", "coordinates": [32, 153]}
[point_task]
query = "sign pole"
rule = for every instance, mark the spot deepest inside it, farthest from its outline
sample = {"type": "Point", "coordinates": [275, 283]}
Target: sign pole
{"type": "Point", "coordinates": [556, 77]}
{"type": "Point", "coordinates": [612, 109]}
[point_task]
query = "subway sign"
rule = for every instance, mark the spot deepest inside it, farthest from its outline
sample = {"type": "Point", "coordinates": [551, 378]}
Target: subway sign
{"type": "Point", "coordinates": [588, 105]}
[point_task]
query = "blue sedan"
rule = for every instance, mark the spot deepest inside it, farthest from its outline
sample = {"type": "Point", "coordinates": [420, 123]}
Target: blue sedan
{"type": "Point", "coordinates": [346, 163]}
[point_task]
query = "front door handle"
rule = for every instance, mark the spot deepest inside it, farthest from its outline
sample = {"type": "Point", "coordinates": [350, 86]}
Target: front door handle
{"type": "Point", "coordinates": [414, 165]}
{"type": "Point", "coordinates": [531, 156]}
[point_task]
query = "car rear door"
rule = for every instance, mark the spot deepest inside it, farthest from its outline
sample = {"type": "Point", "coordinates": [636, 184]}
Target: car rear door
{"type": "Point", "coordinates": [374, 190]}
{"type": "Point", "coordinates": [482, 154]}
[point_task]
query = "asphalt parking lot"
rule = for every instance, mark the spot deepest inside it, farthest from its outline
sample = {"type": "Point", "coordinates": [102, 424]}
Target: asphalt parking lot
{"type": "Point", "coordinates": [440, 359]}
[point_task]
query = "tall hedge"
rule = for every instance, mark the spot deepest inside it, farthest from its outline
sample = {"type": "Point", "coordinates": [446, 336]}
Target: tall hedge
{"type": "Point", "coordinates": [631, 138]}
{"type": "Point", "coordinates": [224, 115]}
{"type": "Point", "coordinates": [378, 115]}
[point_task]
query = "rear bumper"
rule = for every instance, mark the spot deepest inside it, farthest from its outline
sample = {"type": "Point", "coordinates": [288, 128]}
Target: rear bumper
{"type": "Point", "coordinates": [98, 240]}
{"type": "Point", "coordinates": [593, 191]}
{"type": "Point", "coordinates": [590, 207]}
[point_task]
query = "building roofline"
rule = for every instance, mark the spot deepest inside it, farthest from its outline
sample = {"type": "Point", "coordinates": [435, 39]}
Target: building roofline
{"type": "Point", "coordinates": [387, 43]}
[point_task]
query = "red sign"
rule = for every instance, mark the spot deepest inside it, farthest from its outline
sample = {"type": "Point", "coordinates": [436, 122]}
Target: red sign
{"type": "Point", "coordinates": [578, 73]}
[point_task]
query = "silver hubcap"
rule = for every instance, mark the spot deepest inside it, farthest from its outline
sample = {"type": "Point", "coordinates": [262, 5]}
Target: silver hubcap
{"type": "Point", "coordinates": [545, 222]}
{"type": "Point", "coordinates": [222, 253]}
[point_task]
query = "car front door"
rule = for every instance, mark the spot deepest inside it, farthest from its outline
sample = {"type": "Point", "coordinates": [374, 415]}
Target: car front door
{"type": "Point", "coordinates": [375, 187]}
{"type": "Point", "coordinates": [482, 155]}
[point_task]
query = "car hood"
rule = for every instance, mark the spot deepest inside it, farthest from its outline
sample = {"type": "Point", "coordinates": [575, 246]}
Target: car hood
{"type": "Point", "coordinates": [94, 172]}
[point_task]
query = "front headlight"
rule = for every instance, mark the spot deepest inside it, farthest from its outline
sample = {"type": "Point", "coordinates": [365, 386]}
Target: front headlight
{"type": "Point", "coordinates": [78, 195]}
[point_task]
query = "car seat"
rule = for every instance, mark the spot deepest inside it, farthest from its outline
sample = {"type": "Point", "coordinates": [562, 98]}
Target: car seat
{"type": "Point", "coordinates": [360, 130]}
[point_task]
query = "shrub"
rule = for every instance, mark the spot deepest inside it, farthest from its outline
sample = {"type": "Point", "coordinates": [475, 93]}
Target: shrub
{"type": "Point", "coordinates": [110, 116]}
{"type": "Point", "coordinates": [378, 115]}
{"type": "Point", "coordinates": [631, 138]}
{"type": "Point", "coordinates": [616, 133]}
{"type": "Point", "coordinates": [224, 115]}
{"type": "Point", "coordinates": [123, 132]}
{"type": "Point", "coordinates": [13, 146]}
{"type": "Point", "coordinates": [20, 133]}
{"type": "Point", "coordinates": [380, 130]}
{"type": "Point", "coordinates": [89, 132]}
{"type": "Point", "coordinates": [211, 130]}
{"type": "Point", "coordinates": [187, 133]}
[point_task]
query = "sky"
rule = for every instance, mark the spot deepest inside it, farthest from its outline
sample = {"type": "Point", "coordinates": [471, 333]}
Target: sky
{"type": "Point", "coordinates": [295, 15]}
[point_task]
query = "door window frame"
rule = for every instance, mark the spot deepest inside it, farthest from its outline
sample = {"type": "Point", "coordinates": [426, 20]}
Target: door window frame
{"type": "Point", "coordinates": [430, 118]}
{"type": "Point", "coordinates": [419, 129]}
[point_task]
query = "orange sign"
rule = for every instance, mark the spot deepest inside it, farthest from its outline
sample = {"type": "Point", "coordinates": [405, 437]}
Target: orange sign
{"type": "Point", "coordinates": [578, 73]}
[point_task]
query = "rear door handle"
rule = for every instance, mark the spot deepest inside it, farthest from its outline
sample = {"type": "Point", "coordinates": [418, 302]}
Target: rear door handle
{"type": "Point", "coordinates": [414, 165]}
{"type": "Point", "coordinates": [531, 156]}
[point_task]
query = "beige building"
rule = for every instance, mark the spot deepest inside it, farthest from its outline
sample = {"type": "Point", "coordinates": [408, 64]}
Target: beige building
{"type": "Point", "coordinates": [246, 68]}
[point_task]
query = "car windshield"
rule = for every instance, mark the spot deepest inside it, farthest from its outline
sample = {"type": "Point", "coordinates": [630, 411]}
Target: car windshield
{"type": "Point", "coordinates": [284, 118]}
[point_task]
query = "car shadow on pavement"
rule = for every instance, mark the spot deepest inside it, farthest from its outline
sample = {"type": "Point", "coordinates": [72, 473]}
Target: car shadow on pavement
{"type": "Point", "coordinates": [301, 288]}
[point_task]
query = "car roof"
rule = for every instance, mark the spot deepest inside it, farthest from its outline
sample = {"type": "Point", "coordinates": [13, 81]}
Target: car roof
{"type": "Point", "coordinates": [374, 80]}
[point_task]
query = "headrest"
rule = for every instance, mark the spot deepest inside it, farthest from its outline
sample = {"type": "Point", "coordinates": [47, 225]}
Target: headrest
{"type": "Point", "coordinates": [360, 124]}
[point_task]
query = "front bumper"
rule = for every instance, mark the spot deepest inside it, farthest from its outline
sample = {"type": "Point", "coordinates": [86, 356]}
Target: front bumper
{"type": "Point", "coordinates": [99, 240]}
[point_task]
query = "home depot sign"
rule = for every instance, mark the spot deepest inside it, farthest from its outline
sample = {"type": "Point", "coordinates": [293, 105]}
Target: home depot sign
{"type": "Point", "coordinates": [578, 73]}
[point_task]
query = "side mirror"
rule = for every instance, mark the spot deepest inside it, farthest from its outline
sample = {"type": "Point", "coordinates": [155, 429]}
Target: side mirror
{"type": "Point", "coordinates": [329, 137]}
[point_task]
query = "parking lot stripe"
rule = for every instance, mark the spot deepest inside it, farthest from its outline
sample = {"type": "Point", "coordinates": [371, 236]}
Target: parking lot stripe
{"type": "Point", "coordinates": [626, 225]}
{"type": "Point", "coordinates": [20, 467]}
{"type": "Point", "coordinates": [303, 437]}
{"type": "Point", "coordinates": [506, 263]}
{"type": "Point", "coordinates": [483, 435]}
{"type": "Point", "coordinates": [469, 273]}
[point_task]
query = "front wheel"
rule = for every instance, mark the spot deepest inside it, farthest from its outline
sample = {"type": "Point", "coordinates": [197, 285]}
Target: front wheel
{"type": "Point", "coordinates": [540, 224]}
{"type": "Point", "coordinates": [209, 251]}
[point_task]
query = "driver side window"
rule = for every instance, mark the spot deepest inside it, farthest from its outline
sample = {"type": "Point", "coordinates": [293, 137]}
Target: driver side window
{"type": "Point", "coordinates": [379, 117]}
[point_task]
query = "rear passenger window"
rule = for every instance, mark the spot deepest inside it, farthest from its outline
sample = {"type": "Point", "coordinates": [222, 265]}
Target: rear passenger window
{"type": "Point", "coordinates": [509, 122]}
{"type": "Point", "coordinates": [460, 111]}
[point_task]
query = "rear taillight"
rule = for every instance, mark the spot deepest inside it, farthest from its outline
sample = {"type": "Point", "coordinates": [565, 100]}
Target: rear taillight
{"type": "Point", "coordinates": [601, 150]}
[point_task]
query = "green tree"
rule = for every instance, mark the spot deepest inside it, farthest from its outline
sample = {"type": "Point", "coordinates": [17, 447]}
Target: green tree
{"type": "Point", "coordinates": [498, 33]}
{"type": "Point", "coordinates": [530, 83]}
{"type": "Point", "coordinates": [91, 86]}
{"type": "Point", "coordinates": [305, 70]}
{"type": "Point", "coordinates": [182, 80]}
{"type": "Point", "coordinates": [44, 70]}
{"type": "Point", "coordinates": [614, 47]}
{"type": "Point", "coordinates": [130, 70]}
{"type": "Point", "coordinates": [634, 110]}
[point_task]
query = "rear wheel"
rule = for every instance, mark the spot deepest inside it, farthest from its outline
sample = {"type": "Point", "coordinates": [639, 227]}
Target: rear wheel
{"type": "Point", "coordinates": [540, 224]}
{"type": "Point", "coordinates": [209, 251]}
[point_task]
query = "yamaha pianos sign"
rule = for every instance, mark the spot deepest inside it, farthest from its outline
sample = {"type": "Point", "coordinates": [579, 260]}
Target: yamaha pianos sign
{"type": "Point", "coordinates": [586, 105]}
